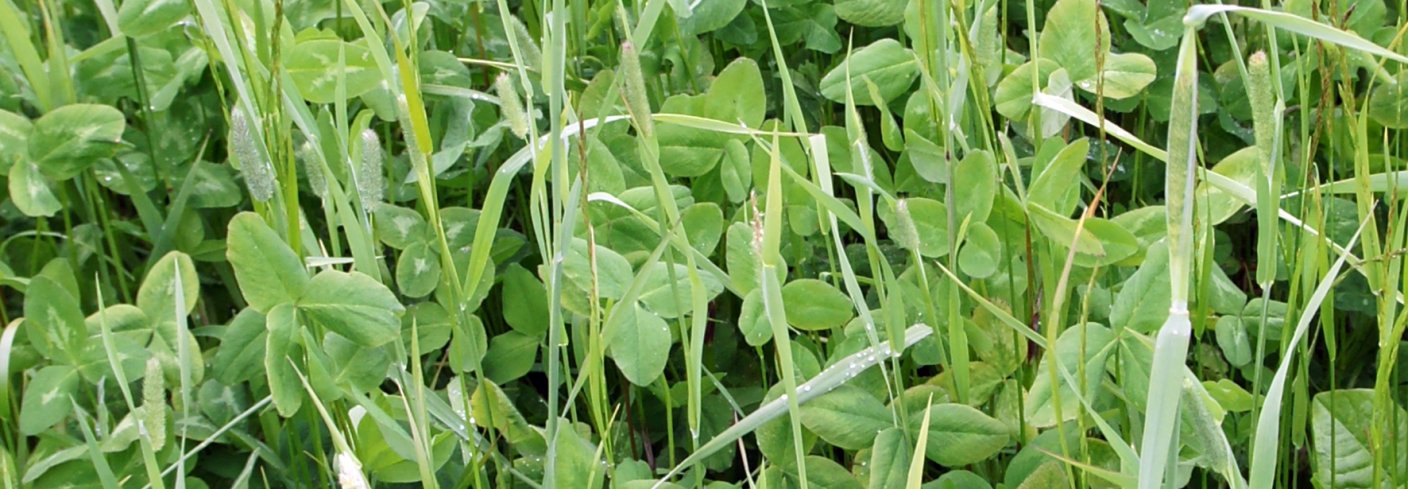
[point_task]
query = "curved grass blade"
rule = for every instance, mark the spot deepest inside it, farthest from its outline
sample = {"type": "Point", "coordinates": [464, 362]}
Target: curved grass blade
{"type": "Point", "coordinates": [1268, 426]}
{"type": "Point", "coordinates": [829, 379]}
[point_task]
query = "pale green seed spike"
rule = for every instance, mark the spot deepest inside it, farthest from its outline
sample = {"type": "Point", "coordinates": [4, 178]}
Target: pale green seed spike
{"type": "Point", "coordinates": [1264, 123]}
{"type": "Point", "coordinates": [153, 410]}
{"type": "Point", "coordinates": [1182, 163]}
{"type": "Point", "coordinates": [633, 90]}
{"type": "Point", "coordinates": [527, 46]}
{"type": "Point", "coordinates": [1259, 94]}
{"type": "Point", "coordinates": [1171, 348]}
{"type": "Point", "coordinates": [258, 175]}
{"type": "Point", "coordinates": [370, 182]}
{"type": "Point", "coordinates": [349, 472]}
{"type": "Point", "coordinates": [511, 106]}
{"type": "Point", "coordinates": [906, 234]}
{"type": "Point", "coordinates": [317, 182]}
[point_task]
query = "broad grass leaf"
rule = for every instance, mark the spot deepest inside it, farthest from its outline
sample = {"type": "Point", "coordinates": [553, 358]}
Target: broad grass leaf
{"type": "Point", "coordinates": [418, 270]}
{"type": "Point", "coordinates": [511, 355]}
{"type": "Point", "coordinates": [281, 346]}
{"type": "Point", "coordinates": [353, 305]}
{"type": "Point", "coordinates": [1082, 347]}
{"type": "Point", "coordinates": [1143, 302]}
{"type": "Point", "coordinates": [871, 13]}
{"type": "Point", "coordinates": [887, 63]}
{"type": "Point", "coordinates": [1075, 35]}
{"type": "Point", "coordinates": [848, 417]}
{"type": "Point", "coordinates": [525, 301]}
{"type": "Point", "coordinates": [314, 68]}
{"type": "Point", "coordinates": [267, 270]}
{"type": "Point", "coordinates": [69, 139]}
{"type": "Point", "coordinates": [1342, 422]}
{"type": "Point", "coordinates": [813, 305]}
{"type": "Point", "coordinates": [240, 356]}
{"type": "Point", "coordinates": [48, 398]}
{"type": "Point", "coordinates": [640, 344]}
{"type": "Point", "coordinates": [961, 435]}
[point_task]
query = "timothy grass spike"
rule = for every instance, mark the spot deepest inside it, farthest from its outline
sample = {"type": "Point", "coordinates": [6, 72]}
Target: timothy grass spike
{"type": "Point", "coordinates": [511, 106]}
{"type": "Point", "coordinates": [258, 173]}
{"type": "Point", "coordinates": [633, 90]}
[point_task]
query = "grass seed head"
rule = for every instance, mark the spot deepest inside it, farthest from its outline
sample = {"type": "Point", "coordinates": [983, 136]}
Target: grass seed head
{"type": "Point", "coordinates": [633, 89]}
{"type": "Point", "coordinates": [153, 410]}
{"type": "Point", "coordinates": [370, 184]}
{"type": "Point", "coordinates": [316, 181]}
{"type": "Point", "coordinates": [511, 106]}
{"type": "Point", "coordinates": [258, 174]}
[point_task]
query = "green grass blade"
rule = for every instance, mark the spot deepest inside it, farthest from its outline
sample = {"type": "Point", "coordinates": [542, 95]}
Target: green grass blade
{"type": "Point", "coordinates": [1266, 443]}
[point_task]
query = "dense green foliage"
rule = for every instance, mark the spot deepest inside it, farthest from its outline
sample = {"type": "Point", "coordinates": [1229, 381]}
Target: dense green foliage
{"type": "Point", "coordinates": [703, 243]}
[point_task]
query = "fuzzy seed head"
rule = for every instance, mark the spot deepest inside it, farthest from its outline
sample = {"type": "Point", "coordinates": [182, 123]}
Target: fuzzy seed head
{"type": "Point", "coordinates": [349, 472]}
{"type": "Point", "coordinates": [906, 234]}
{"type": "Point", "coordinates": [153, 410]}
{"type": "Point", "coordinates": [527, 46]}
{"type": "Point", "coordinates": [257, 171]}
{"type": "Point", "coordinates": [511, 106]}
{"type": "Point", "coordinates": [1262, 102]}
{"type": "Point", "coordinates": [370, 183]}
{"type": "Point", "coordinates": [316, 180]}
{"type": "Point", "coordinates": [633, 89]}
